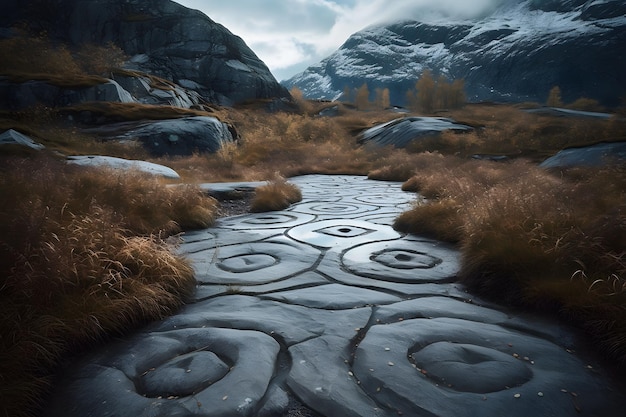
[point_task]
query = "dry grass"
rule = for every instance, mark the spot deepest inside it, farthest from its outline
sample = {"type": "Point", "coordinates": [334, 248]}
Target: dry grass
{"type": "Point", "coordinates": [25, 57]}
{"type": "Point", "coordinates": [82, 258]}
{"type": "Point", "coordinates": [532, 239]}
{"type": "Point", "coordinates": [278, 194]}
{"type": "Point", "coordinates": [289, 143]}
{"type": "Point", "coordinates": [44, 125]}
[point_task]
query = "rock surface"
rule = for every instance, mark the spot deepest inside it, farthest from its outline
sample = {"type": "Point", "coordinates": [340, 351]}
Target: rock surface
{"type": "Point", "coordinates": [599, 155]}
{"type": "Point", "coordinates": [182, 136]}
{"type": "Point", "coordinates": [518, 52]}
{"type": "Point", "coordinates": [124, 164]}
{"type": "Point", "coordinates": [401, 132]}
{"type": "Point", "coordinates": [324, 308]}
{"type": "Point", "coordinates": [161, 37]}
{"type": "Point", "coordinates": [17, 96]}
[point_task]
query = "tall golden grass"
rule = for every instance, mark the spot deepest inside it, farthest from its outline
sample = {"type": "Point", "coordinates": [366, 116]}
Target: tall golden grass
{"type": "Point", "coordinates": [82, 257]}
{"type": "Point", "coordinates": [533, 239]}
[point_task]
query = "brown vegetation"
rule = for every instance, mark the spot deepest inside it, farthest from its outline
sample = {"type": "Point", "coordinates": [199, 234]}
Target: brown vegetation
{"type": "Point", "coordinates": [278, 194]}
{"type": "Point", "coordinates": [82, 258]}
{"type": "Point", "coordinates": [533, 239]}
{"type": "Point", "coordinates": [432, 94]}
{"type": "Point", "coordinates": [27, 57]}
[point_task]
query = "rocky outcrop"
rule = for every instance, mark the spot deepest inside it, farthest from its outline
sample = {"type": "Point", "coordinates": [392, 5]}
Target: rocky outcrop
{"type": "Point", "coordinates": [401, 132]}
{"type": "Point", "coordinates": [161, 37]}
{"type": "Point", "coordinates": [182, 136]}
{"type": "Point", "coordinates": [17, 96]}
{"type": "Point", "coordinates": [517, 53]}
{"type": "Point", "coordinates": [601, 154]}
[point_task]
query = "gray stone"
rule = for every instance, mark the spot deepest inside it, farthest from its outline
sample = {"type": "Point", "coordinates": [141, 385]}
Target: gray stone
{"type": "Point", "coordinates": [602, 154]}
{"type": "Point", "coordinates": [455, 368]}
{"type": "Point", "coordinates": [401, 132]}
{"type": "Point", "coordinates": [333, 297]}
{"type": "Point", "coordinates": [181, 136]}
{"type": "Point", "coordinates": [123, 164]}
{"type": "Point", "coordinates": [144, 91]}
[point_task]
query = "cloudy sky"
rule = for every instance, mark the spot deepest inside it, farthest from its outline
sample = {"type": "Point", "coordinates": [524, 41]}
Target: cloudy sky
{"type": "Point", "coordinates": [290, 35]}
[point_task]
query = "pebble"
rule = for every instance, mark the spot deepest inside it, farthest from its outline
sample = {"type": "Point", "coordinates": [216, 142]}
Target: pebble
{"type": "Point", "coordinates": [390, 363]}
{"type": "Point", "coordinates": [517, 395]}
{"type": "Point", "coordinates": [540, 394]}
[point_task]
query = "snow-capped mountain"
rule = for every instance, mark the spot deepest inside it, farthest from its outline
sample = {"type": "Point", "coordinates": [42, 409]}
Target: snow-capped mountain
{"type": "Point", "coordinates": [519, 52]}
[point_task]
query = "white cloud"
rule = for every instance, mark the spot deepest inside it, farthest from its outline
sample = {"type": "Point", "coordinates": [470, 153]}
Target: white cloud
{"type": "Point", "coordinates": [289, 35]}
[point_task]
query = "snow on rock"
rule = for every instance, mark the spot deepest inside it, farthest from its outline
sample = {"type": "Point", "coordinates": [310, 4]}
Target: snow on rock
{"type": "Point", "coordinates": [517, 53]}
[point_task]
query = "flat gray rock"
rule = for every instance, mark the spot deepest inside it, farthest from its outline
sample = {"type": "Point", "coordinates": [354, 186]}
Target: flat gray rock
{"type": "Point", "coordinates": [123, 164]}
{"type": "Point", "coordinates": [324, 308]}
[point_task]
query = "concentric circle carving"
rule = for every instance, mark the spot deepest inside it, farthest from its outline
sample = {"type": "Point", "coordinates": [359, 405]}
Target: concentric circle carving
{"type": "Point", "coordinates": [402, 261]}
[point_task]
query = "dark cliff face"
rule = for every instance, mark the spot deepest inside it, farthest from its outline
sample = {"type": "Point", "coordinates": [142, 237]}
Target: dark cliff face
{"type": "Point", "coordinates": [519, 52]}
{"type": "Point", "coordinates": [160, 37]}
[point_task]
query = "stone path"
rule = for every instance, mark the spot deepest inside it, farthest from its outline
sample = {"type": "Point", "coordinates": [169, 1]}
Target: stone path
{"type": "Point", "coordinates": [325, 307]}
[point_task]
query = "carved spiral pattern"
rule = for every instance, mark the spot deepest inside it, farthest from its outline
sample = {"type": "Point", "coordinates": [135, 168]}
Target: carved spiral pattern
{"type": "Point", "coordinates": [325, 304]}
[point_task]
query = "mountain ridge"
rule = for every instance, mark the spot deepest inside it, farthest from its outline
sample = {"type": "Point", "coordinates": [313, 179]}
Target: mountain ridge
{"type": "Point", "coordinates": [516, 53]}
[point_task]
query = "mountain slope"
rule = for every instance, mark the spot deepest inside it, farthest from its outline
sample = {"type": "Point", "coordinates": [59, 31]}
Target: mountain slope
{"type": "Point", "coordinates": [517, 53]}
{"type": "Point", "coordinates": [161, 37]}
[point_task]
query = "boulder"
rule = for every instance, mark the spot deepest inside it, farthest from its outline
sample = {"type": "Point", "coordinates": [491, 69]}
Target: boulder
{"type": "Point", "coordinates": [124, 164]}
{"type": "Point", "coordinates": [401, 132]}
{"type": "Point", "coordinates": [597, 155]}
{"type": "Point", "coordinates": [182, 136]}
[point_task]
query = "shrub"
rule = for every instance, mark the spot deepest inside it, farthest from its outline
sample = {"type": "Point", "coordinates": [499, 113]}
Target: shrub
{"type": "Point", "coordinates": [278, 194]}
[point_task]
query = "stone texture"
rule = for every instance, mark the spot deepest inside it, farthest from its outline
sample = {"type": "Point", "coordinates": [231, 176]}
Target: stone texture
{"type": "Point", "coordinates": [325, 306]}
{"type": "Point", "coordinates": [124, 164]}
{"type": "Point", "coordinates": [181, 136]}
{"type": "Point", "coordinates": [17, 96]}
{"type": "Point", "coordinates": [601, 154]}
{"type": "Point", "coordinates": [401, 132]}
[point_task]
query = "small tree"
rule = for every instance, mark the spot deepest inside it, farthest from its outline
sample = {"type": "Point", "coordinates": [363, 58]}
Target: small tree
{"type": "Point", "coordinates": [298, 97]}
{"type": "Point", "coordinates": [425, 87]}
{"type": "Point", "coordinates": [361, 100]}
{"type": "Point", "coordinates": [347, 95]}
{"type": "Point", "coordinates": [382, 98]}
{"type": "Point", "coordinates": [554, 97]}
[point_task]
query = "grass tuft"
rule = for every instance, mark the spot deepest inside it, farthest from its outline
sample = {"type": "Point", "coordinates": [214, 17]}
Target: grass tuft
{"type": "Point", "coordinates": [278, 194]}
